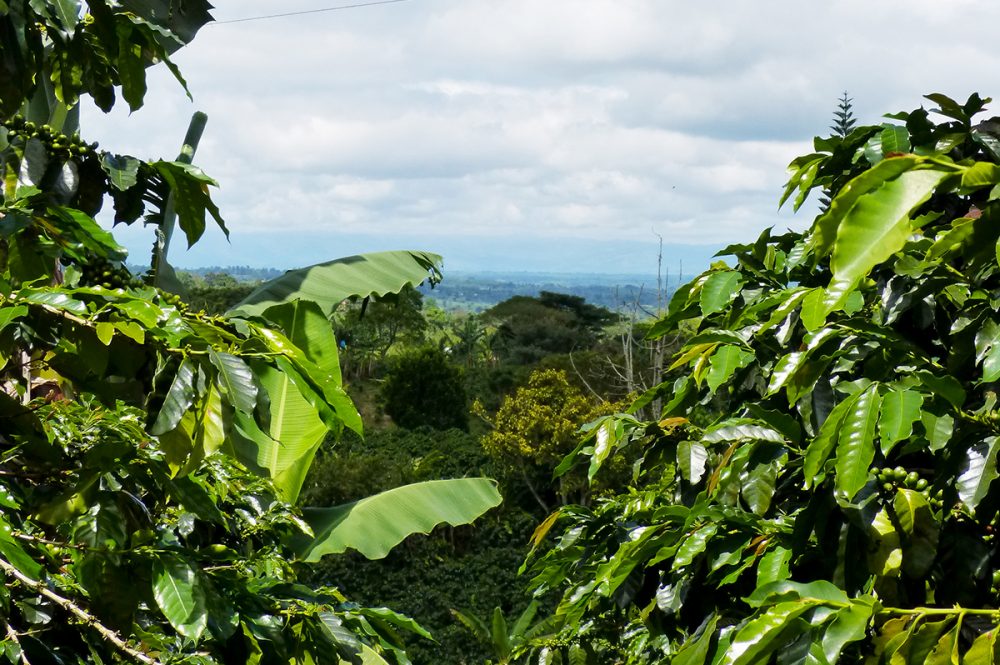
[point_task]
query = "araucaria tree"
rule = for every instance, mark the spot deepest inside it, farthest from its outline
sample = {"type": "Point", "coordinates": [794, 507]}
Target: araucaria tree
{"type": "Point", "coordinates": [819, 487]}
{"type": "Point", "coordinates": [151, 456]}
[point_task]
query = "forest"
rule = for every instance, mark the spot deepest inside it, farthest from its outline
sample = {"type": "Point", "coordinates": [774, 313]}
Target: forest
{"type": "Point", "coordinates": [792, 459]}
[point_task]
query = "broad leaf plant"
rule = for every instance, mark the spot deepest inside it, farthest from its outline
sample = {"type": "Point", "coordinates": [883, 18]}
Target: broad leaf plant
{"type": "Point", "coordinates": [151, 456]}
{"type": "Point", "coordinates": [820, 485]}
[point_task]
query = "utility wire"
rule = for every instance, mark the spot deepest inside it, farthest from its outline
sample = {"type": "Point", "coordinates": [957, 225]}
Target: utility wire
{"type": "Point", "coordinates": [308, 11]}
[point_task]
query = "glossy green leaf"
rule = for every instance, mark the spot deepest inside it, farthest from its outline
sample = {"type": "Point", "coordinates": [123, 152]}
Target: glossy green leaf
{"type": "Point", "coordinates": [983, 650]}
{"type": "Point", "coordinates": [917, 521]}
{"type": "Point", "coordinates": [209, 433]}
{"type": "Point", "coordinates": [691, 458]}
{"type": "Point", "coordinates": [885, 557]}
{"type": "Point", "coordinates": [695, 650]}
{"type": "Point", "coordinates": [719, 290]}
{"type": "Point", "coordinates": [131, 65]}
{"type": "Point", "coordinates": [606, 437]}
{"type": "Point", "coordinates": [827, 226]}
{"type": "Point", "coordinates": [803, 172]}
{"type": "Point", "coordinates": [856, 444]}
{"type": "Point", "coordinates": [179, 596]}
{"type": "Point", "coordinates": [895, 139]}
{"type": "Point", "coordinates": [825, 441]}
{"type": "Point", "coordinates": [85, 231]}
{"type": "Point", "coordinates": [978, 471]}
{"type": "Point", "coordinates": [819, 591]}
{"type": "Point", "coordinates": [900, 409]}
{"type": "Point", "coordinates": [376, 524]}
{"type": "Point", "coordinates": [946, 386]}
{"type": "Point", "coordinates": [923, 641]}
{"type": "Point", "coordinates": [178, 399]}
{"type": "Point", "coordinates": [339, 635]}
{"type": "Point", "coordinates": [938, 429]}
{"type": "Point", "coordinates": [694, 544]}
{"type": "Point", "coordinates": [988, 350]}
{"type": "Point", "coordinates": [876, 227]}
{"type": "Point", "coordinates": [773, 566]}
{"type": "Point", "coordinates": [328, 284]}
{"type": "Point", "coordinates": [848, 625]}
{"type": "Point", "coordinates": [740, 429]}
{"type": "Point", "coordinates": [794, 363]}
{"type": "Point", "coordinates": [758, 487]}
{"type": "Point", "coordinates": [189, 188]}
{"type": "Point", "coordinates": [759, 637]}
{"type": "Point", "coordinates": [980, 174]}
{"type": "Point", "coordinates": [235, 380]}
{"type": "Point", "coordinates": [121, 169]}
{"type": "Point", "coordinates": [12, 551]}
{"type": "Point", "coordinates": [724, 363]}
{"type": "Point", "coordinates": [53, 298]}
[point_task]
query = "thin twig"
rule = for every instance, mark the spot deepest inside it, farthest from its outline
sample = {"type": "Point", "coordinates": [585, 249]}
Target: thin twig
{"type": "Point", "coordinates": [80, 613]}
{"type": "Point", "coordinates": [12, 636]}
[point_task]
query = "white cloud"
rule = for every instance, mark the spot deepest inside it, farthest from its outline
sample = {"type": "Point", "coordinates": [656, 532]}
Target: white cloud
{"type": "Point", "coordinates": [566, 119]}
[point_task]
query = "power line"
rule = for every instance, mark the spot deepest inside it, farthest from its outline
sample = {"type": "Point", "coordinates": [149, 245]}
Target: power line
{"type": "Point", "coordinates": [309, 11]}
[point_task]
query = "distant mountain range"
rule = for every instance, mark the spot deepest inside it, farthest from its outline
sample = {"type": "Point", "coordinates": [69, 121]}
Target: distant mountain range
{"type": "Point", "coordinates": [476, 291]}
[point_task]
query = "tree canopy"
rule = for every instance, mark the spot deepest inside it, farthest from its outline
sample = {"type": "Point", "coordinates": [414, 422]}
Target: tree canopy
{"type": "Point", "coordinates": [151, 456]}
{"type": "Point", "coordinates": [531, 328]}
{"type": "Point", "coordinates": [819, 486]}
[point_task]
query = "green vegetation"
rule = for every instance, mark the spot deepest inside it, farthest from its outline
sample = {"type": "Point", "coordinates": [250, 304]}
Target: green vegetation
{"type": "Point", "coordinates": [422, 388]}
{"type": "Point", "coordinates": [819, 486]}
{"type": "Point", "coordinates": [804, 471]}
{"type": "Point", "coordinates": [153, 455]}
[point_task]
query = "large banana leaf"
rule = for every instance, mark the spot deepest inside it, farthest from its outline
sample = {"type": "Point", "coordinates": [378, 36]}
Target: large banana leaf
{"type": "Point", "coordinates": [296, 428]}
{"type": "Point", "coordinates": [328, 284]}
{"type": "Point", "coordinates": [298, 303]}
{"type": "Point", "coordinates": [376, 524]}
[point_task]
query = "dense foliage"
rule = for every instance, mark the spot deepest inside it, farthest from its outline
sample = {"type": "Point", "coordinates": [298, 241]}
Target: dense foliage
{"type": "Point", "coordinates": [151, 456]}
{"type": "Point", "coordinates": [819, 487]}
{"type": "Point", "coordinates": [422, 388]}
{"type": "Point", "coordinates": [535, 427]}
{"type": "Point", "coordinates": [532, 328]}
{"type": "Point", "coordinates": [472, 568]}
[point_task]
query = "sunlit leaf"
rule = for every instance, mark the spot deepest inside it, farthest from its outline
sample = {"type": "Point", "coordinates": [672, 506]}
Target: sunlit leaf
{"type": "Point", "coordinates": [375, 525]}
{"type": "Point", "coordinates": [179, 596]}
{"type": "Point", "coordinates": [328, 284]}
{"type": "Point", "coordinates": [856, 445]}
{"type": "Point", "coordinates": [979, 470]}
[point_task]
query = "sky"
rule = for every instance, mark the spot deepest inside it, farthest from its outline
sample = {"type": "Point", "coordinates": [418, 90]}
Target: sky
{"type": "Point", "coordinates": [531, 135]}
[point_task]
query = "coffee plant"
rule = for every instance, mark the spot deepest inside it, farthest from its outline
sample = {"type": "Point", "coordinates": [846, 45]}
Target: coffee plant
{"type": "Point", "coordinates": [819, 486]}
{"type": "Point", "coordinates": [151, 456]}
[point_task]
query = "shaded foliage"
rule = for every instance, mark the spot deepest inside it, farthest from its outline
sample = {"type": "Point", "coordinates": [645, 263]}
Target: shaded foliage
{"type": "Point", "coordinates": [370, 329]}
{"type": "Point", "coordinates": [215, 293]}
{"type": "Point", "coordinates": [819, 486]}
{"type": "Point", "coordinates": [473, 568]}
{"type": "Point", "coordinates": [150, 455]}
{"type": "Point", "coordinates": [422, 387]}
{"type": "Point", "coordinates": [532, 328]}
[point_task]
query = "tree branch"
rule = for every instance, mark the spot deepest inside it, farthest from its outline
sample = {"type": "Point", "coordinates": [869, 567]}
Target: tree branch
{"type": "Point", "coordinates": [81, 614]}
{"type": "Point", "coordinates": [12, 636]}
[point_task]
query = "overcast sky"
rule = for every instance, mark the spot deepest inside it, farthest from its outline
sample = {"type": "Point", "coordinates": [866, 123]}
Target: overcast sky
{"type": "Point", "coordinates": [543, 135]}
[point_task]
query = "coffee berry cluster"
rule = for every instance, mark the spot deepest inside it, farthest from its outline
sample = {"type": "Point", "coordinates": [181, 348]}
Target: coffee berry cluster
{"type": "Point", "coordinates": [57, 143]}
{"type": "Point", "coordinates": [103, 273]}
{"type": "Point", "coordinates": [899, 478]}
